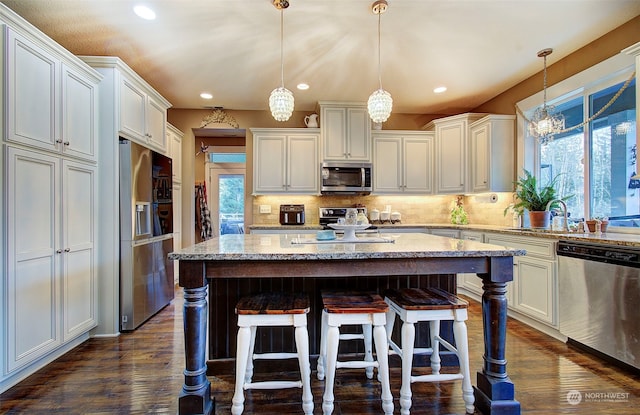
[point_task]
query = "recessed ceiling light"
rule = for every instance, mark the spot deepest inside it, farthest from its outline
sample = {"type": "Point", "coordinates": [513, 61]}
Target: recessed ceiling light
{"type": "Point", "coordinates": [440, 89]}
{"type": "Point", "coordinates": [206, 95]}
{"type": "Point", "coordinates": [144, 12]}
{"type": "Point", "coordinates": [303, 86]}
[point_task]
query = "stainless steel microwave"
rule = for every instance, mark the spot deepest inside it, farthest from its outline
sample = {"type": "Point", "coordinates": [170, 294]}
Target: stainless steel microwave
{"type": "Point", "coordinates": [346, 178]}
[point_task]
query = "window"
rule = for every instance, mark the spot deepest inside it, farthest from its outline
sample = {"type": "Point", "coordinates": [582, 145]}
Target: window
{"type": "Point", "coordinates": [595, 163]}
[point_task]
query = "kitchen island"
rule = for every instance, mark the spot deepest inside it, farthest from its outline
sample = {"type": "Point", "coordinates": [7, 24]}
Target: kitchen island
{"type": "Point", "coordinates": [278, 256]}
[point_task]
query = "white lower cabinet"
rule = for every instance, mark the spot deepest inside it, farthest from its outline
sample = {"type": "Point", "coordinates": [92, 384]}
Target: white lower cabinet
{"type": "Point", "coordinates": [51, 284]}
{"type": "Point", "coordinates": [534, 290]}
{"type": "Point", "coordinates": [177, 227]}
{"type": "Point", "coordinates": [468, 281]}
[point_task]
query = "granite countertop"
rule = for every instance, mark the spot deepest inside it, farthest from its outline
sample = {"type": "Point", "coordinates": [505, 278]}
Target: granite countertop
{"type": "Point", "coordinates": [609, 238]}
{"type": "Point", "coordinates": [284, 247]}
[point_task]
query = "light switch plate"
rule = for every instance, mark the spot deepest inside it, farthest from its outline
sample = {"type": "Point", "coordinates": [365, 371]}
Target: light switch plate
{"type": "Point", "coordinates": [265, 208]}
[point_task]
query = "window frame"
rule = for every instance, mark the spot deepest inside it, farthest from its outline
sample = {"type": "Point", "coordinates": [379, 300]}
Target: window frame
{"type": "Point", "coordinates": [612, 71]}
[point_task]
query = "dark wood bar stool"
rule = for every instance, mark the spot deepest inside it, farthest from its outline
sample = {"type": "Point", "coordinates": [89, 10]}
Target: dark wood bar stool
{"type": "Point", "coordinates": [272, 309]}
{"type": "Point", "coordinates": [413, 305]}
{"type": "Point", "coordinates": [349, 308]}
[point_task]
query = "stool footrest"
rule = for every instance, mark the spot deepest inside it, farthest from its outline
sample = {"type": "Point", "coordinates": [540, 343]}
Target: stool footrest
{"type": "Point", "coordinates": [356, 364]}
{"type": "Point", "coordinates": [273, 384]}
{"type": "Point", "coordinates": [348, 336]}
{"type": "Point", "coordinates": [447, 345]}
{"type": "Point", "coordinates": [274, 356]}
{"type": "Point", "coordinates": [443, 377]}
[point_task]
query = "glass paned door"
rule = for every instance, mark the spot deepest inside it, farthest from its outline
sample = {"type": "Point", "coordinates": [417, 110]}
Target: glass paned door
{"type": "Point", "coordinates": [226, 194]}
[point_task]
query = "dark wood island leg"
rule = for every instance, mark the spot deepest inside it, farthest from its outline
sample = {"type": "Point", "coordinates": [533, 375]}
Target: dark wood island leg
{"type": "Point", "coordinates": [495, 392]}
{"type": "Point", "coordinates": [195, 397]}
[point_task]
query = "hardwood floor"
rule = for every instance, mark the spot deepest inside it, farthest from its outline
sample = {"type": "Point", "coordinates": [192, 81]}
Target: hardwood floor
{"type": "Point", "coordinates": [141, 373]}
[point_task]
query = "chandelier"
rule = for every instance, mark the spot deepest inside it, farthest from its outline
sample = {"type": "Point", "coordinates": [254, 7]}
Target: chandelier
{"type": "Point", "coordinates": [380, 101]}
{"type": "Point", "coordinates": [546, 121]}
{"type": "Point", "coordinates": [281, 99]}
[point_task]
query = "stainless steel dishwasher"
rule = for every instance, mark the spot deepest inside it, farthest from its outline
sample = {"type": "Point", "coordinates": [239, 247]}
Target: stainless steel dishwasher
{"type": "Point", "coordinates": [599, 288]}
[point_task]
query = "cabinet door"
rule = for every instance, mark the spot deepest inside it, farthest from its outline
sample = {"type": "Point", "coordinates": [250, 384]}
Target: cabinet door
{"type": "Point", "coordinates": [470, 281]}
{"type": "Point", "coordinates": [387, 174]}
{"type": "Point", "coordinates": [334, 130]}
{"type": "Point", "coordinates": [479, 153]}
{"type": "Point", "coordinates": [34, 256]}
{"type": "Point", "coordinates": [175, 141]}
{"type": "Point", "coordinates": [132, 109]}
{"type": "Point", "coordinates": [79, 285]}
{"type": "Point", "coordinates": [177, 226]}
{"type": "Point", "coordinates": [270, 164]}
{"type": "Point", "coordinates": [303, 168]}
{"type": "Point", "coordinates": [534, 288]}
{"type": "Point", "coordinates": [156, 118]}
{"type": "Point", "coordinates": [450, 157]}
{"type": "Point", "coordinates": [79, 116]}
{"type": "Point", "coordinates": [32, 94]}
{"type": "Point", "coordinates": [418, 165]}
{"type": "Point", "coordinates": [358, 135]}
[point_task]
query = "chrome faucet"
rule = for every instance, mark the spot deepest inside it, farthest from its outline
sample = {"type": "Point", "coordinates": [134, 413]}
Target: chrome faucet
{"type": "Point", "coordinates": [564, 207]}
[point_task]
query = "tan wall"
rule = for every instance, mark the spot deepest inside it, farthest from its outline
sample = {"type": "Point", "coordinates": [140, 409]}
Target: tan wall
{"type": "Point", "coordinates": [595, 52]}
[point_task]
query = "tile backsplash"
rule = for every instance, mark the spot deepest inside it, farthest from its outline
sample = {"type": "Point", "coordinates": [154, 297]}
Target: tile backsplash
{"type": "Point", "coordinates": [414, 209]}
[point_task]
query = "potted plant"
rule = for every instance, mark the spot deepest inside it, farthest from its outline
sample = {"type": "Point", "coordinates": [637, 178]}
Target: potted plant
{"type": "Point", "coordinates": [604, 222]}
{"type": "Point", "coordinates": [531, 197]}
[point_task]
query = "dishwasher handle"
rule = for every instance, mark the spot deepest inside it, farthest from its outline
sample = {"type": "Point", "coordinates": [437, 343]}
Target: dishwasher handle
{"type": "Point", "coordinates": [610, 254]}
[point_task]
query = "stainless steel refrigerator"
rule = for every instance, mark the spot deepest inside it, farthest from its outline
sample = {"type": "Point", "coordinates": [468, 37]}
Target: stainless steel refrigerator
{"type": "Point", "coordinates": [146, 234]}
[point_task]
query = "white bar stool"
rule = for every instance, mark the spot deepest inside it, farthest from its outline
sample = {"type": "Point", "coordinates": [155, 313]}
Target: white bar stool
{"type": "Point", "coordinates": [346, 308]}
{"type": "Point", "coordinates": [272, 309]}
{"type": "Point", "coordinates": [413, 305]}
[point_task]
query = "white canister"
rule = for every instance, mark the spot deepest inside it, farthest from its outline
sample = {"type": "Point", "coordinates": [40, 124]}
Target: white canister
{"type": "Point", "coordinates": [396, 217]}
{"type": "Point", "coordinates": [385, 216]}
{"type": "Point", "coordinates": [374, 215]}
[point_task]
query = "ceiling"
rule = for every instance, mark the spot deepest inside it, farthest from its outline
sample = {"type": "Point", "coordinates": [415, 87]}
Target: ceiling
{"type": "Point", "coordinates": [231, 48]}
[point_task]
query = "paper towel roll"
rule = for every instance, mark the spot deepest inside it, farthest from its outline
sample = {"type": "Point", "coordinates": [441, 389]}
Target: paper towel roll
{"type": "Point", "coordinates": [487, 198]}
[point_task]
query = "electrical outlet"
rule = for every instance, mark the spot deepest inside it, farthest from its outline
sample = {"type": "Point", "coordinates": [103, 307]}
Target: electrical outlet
{"type": "Point", "coordinates": [265, 208]}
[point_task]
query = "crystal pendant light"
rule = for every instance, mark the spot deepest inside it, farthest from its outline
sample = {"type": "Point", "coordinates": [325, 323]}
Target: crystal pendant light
{"type": "Point", "coordinates": [281, 99]}
{"type": "Point", "coordinates": [546, 121]}
{"type": "Point", "coordinates": [380, 102]}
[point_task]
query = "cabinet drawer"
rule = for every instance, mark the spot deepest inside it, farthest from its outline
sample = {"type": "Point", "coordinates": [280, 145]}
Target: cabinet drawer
{"type": "Point", "coordinates": [536, 247]}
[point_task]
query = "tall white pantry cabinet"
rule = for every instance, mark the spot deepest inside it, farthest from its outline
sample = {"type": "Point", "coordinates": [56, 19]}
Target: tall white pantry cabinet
{"type": "Point", "coordinates": [49, 203]}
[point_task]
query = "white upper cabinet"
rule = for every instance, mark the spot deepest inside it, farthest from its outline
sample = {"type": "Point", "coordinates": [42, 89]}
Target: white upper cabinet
{"type": "Point", "coordinates": [51, 106]}
{"type": "Point", "coordinates": [79, 114]}
{"type": "Point", "coordinates": [143, 115]}
{"type": "Point", "coordinates": [403, 162]}
{"type": "Point", "coordinates": [492, 154]}
{"type": "Point", "coordinates": [286, 161]}
{"type": "Point", "coordinates": [451, 135]}
{"type": "Point", "coordinates": [346, 131]}
{"type": "Point", "coordinates": [140, 111]}
{"type": "Point", "coordinates": [174, 140]}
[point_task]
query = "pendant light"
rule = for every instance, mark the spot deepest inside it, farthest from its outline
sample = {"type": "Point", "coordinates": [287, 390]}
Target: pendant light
{"type": "Point", "coordinates": [546, 121]}
{"type": "Point", "coordinates": [380, 101]}
{"type": "Point", "coordinates": [281, 99]}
